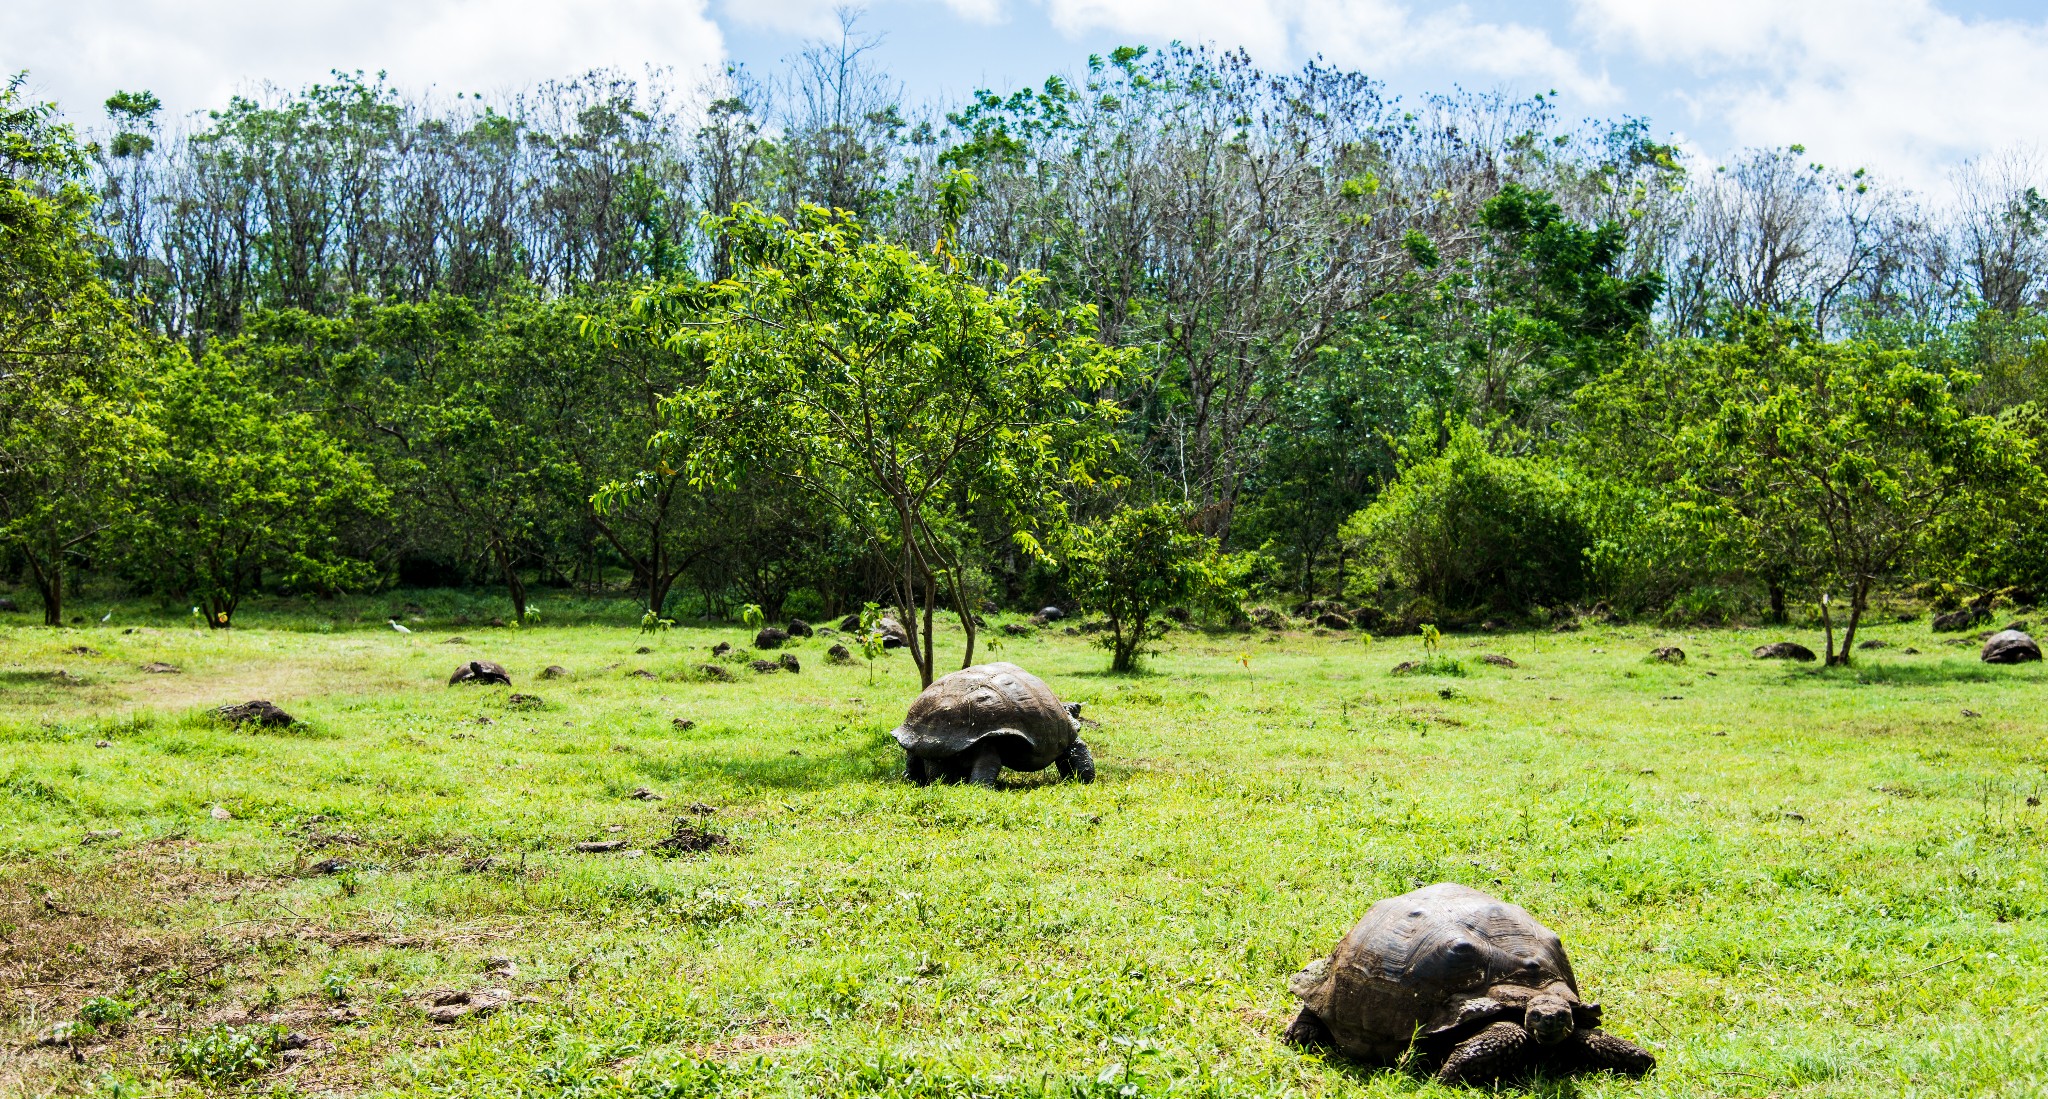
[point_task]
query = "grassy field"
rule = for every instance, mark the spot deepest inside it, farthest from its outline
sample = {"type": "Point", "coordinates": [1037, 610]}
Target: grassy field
{"type": "Point", "coordinates": [1783, 882]}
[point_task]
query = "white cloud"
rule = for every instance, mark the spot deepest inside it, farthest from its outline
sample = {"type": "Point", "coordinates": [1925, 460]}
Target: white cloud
{"type": "Point", "coordinates": [194, 53]}
{"type": "Point", "coordinates": [1378, 36]}
{"type": "Point", "coordinates": [819, 18]}
{"type": "Point", "coordinates": [1896, 85]}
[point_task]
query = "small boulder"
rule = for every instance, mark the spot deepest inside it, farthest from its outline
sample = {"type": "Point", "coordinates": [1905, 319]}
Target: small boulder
{"type": "Point", "coordinates": [850, 622]}
{"type": "Point", "coordinates": [1368, 618]}
{"type": "Point", "coordinates": [765, 666]}
{"type": "Point", "coordinates": [642, 651]}
{"type": "Point", "coordinates": [1269, 618]}
{"type": "Point", "coordinates": [458, 639]}
{"type": "Point", "coordinates": [1669, 654]}
{"type": "Point", "coordinates": [714, 673]}
{"type": "Point", "coordinates": [1498, 661]}
{"type": "Point", "coordinates": [789, 663]}
{"type": "Point", "coordinates": [1331, 620]}
{"type": "Point", "coordinates": [453, 1007]}
{"type": "Point", "coordinates": [721, 648]}
{"type": "Point", "coordinates": [894, 636]}
{"type": "Point", "coordinates": [1955, 620]}
{"type": "Point", "coordinates": [480, 672]}
{"type": "Point", "coordinates": [1874, 643]}
{"type": "Point", "coordinates": [553, 671]}
{"type": "Point", "coordinates": [798, 628]}
{"type": "Point", "coordinates": [1406, 666]}
{"type": "Point", "coordinates": [158, 667]}
{"type": "Point", "coordinates": [683, 724]}
{"type": "Point", "coordinates": [838, 654]}
{"type": "Point", "coordinates": [2010, 647]}
{"type": "Point", "coordinates": [639, 673]}
{"type": "Point", "coordinates": [642, 793]}
{"type": "Point", "coordinates": [1012, 629]}
{"type": "Point", "coordinates": [1784, 650]}
{"type": "Point", "coordinates": [257, 712]}
{"type": "Point", "coordinates": [525, 702]}
{"type": "Point", "coordinates": [600, 847]}
{"type": "Point", "coordinates": [771, 637]}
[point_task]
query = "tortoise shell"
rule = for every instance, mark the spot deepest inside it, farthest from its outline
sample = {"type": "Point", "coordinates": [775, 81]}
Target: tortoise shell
{"type": "Point", "coordinates": [1000, 702]}
{"type": "Point", "coordinates": [480, 671]}
{"type": "Point", "coordinates": [1435, 963]}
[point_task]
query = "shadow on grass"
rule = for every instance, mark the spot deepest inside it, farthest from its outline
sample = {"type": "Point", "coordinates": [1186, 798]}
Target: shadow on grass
{"type": "Point", "coordinates": [1909, 675]}
{"type": "Point", "coordinates": [1539, 1085]}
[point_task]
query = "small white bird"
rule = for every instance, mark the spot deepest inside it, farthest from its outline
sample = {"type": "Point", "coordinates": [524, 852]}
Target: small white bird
{"type": "Point", "coordinates": [106, 618]}
{"type": "Point", "coordinates": [399, 628]}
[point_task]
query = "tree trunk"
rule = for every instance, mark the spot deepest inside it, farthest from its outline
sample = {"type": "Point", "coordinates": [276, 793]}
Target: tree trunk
{"type": "Point", "coordinates": [513, 584]}
{"type": "Point", "coordinates": [1827, 621]}
{"type": "Point", "coordinates": [50, 585]}
{"type": "Point", "coordinates": [1857, 601]}
{"type": "Point", "coordinates": [1777, 601]}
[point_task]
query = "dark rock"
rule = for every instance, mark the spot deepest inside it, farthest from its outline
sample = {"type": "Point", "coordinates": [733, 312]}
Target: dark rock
{"type": "Point", "coordinates": [481, 672]}
{"type": "Point", "coordinates": [771, 638]}
{"type": "Point", "coordinates": [1368, 618]}
{"type": "Point", "coordinates": [1331, 620]}
{"type": "Point", "coordinates": [1269, 618]}
{"type": "Point", "coordinates": [642, 651]}
{"type": "Point", "coordinates": [1955, 620]}
{"type": "Point", "coordinates": [257, 712]}
{"type": "Point", "coordinates": [789, 663]}
{"type": "Point", "coordinates": [1783, 650]}
{"type": "Point", "coordinates": [1406, 666]}
{"type": "Point", "coordinates": [721, 648]}
{"type": "Point", "coordinates": [1014, 630]}
{"type": "Point", "coordinates": [765, 666]}
{"type": "Point", "coordinates": [158, 667]}
{"type": "Point", "coordinates": [2010, 647]}
{"type": "Point", "coordinates": [2021, 626]}
{"type": "Point", "coordinates": [642, 793]}
{"type": "Point", "coordinates": [850, 622]}
{"type": "Point", "coordinates": [894, 636]}
{"type": "Point", "coordinates": [525, 702]}
{"type": "Point", "coordinates": [1498, 661]}
{"type": "Point", "coordinates": [1316, 608]}
{"type": "Point", "coordinates": [686, 838]}
{"type": "Point", "coordinates": [600, 847]}
{"type": "Point", "coordinates": [640, 673]}
{"type": "Point", "coordinates": [838, 654]}
{"type": "Point", "coordinates": [683, 724]}
{"type": "Point", "coordinates": [799, 628]}
{"type": "Point", "coordinates": [1875, 643]}
{"type": "Point", "coordinates": [1672, 654]}
{"type": "Point", "coordinates": [553, 671]}
{"type": "Point", "coordinates": [1096, 626]}
{"type": "Point", "coordinates": [714, 673]}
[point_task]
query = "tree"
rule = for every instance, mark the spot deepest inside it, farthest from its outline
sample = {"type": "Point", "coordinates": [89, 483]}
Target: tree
{"type": "Point", "coordinates": [242, 492]}
{"type": "Point", "coordinates": [898, 390]}
{"type": "Point", "coordinates": [1470, 528]}
{"type": "Point", "coordinates": [1838, 465]}
{"type": "Point", "coordinates": [1134, 565]}
{"type": "Point", "coordinates": [69, 356]}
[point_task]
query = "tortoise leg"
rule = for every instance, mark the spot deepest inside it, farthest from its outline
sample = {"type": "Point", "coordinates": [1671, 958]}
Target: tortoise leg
{"type": "Point", "coordinates": [988, 763]}
{"type": "Point", "coordinates": [917, 770]}
{"type": "Point", "coordinates": [1597, 1050]}
{"type": "Point", "coordinates": [1077, 762]}
{"type": "Point", "coordinates": [1308, 1031]}
{"type": "Point", "coordinates": [1488, 1055]}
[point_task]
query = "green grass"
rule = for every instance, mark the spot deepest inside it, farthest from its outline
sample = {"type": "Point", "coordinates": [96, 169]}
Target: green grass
{"type": "Point", "coordinates": [1783, 882]}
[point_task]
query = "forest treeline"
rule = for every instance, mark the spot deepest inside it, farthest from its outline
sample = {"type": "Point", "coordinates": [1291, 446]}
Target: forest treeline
{"type": "Point", "coordinates": [1440, 359]}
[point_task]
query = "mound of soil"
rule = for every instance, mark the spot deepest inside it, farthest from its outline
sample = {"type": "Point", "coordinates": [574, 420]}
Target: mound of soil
{"type": "Point", "coordinates": [256, 712]}
{"type": "Point", "coordinates": [1784, 650]}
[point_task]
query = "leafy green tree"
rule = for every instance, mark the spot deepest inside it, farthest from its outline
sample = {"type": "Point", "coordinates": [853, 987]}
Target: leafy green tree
{"type": "Point", "coordinates": [69, 356]}
{"type": "Point", "coordinates": [1469, 528]}
{"type": "Point", "coordinates": [243, 492]}
{"type": "Point", "coordinates": [896, 389]}
{"type": "Point", "coordinates": [1839, 465]}
{"type": "Point", "coordinates": [1132, 566]}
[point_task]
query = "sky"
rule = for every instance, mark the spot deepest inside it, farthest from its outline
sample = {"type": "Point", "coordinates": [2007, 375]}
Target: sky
{"type": "Point", "coordinates": [1906, 88]}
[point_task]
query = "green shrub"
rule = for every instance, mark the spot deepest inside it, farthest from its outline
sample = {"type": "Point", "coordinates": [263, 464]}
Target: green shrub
{"type": "Point", "coordinates": [101, 1011]}
{"type": "Point", "coordinates": [222, 1054]}
{"type": "Point", "coordinates": [1469, 528]}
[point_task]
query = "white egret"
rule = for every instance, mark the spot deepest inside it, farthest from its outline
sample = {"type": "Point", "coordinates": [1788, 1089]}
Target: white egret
{"type": "Point", "coordinates": [399, 628]}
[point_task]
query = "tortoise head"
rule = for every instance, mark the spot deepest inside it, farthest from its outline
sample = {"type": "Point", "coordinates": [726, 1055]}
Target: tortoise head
{"type": "Point", "coordinates": [1548, 1019]}
{"type": "Point", "coordinates": [1073, 710]}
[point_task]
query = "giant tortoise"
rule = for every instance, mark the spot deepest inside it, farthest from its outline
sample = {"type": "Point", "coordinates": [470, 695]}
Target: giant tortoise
{"type": "Point", "coordinates": [973, 723]}
{"type": "Point", "coordinates": [1473, 987]}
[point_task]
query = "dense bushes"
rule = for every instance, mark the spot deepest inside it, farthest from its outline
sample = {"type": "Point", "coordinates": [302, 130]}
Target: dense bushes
{"type": "Point", "coordinates": [1470, 529]}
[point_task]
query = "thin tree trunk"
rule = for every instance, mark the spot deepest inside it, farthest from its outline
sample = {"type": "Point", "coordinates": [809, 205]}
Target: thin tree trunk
{"type": "Point", "coordinates": [50, 585]}
{"type": "Point", "coordinates": [1857, 601]}
{"type": "Point", "coordinates": [1827, 621]}
{"type": "Point", "coordinates": [1777, 601]}
{"type": "Point", "coordinates": [513, 584]}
